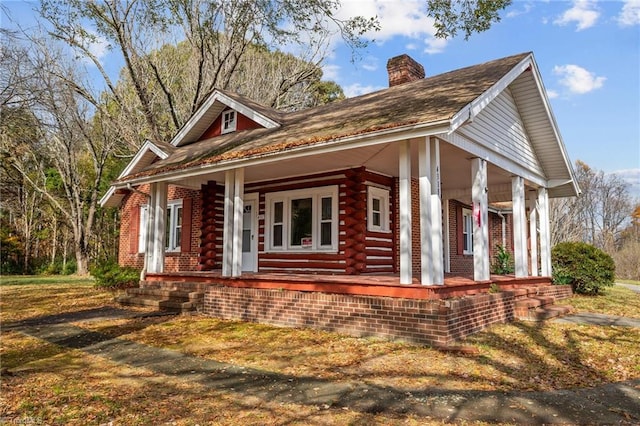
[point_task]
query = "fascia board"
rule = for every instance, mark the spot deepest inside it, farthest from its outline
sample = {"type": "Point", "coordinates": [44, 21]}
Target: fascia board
{"type": "Point", "coordinates": [472, 109]}
{"type": "Point", "coordinates": [146, 147]}
{"type": "Point", "coordinates": [385, 136]}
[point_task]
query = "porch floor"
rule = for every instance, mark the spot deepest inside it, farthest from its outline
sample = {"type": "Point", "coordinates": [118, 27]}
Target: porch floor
{"type": "Point", "coordinates": [363, 285]}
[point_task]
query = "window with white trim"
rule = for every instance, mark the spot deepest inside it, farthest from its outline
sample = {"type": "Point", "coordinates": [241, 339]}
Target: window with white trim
{"type": "Point", "coordinates": [378, 209]}
{"type": "Point", "coordinates": [142, 229]}
{"type": "Point", "coordinates": [302, 220]}
{"type": "Point", "coordinates": [228, 121]}
{"type": "Point", "coordinates": [467, 231]}
{"type": "Point", "coordinates": [173, 223]}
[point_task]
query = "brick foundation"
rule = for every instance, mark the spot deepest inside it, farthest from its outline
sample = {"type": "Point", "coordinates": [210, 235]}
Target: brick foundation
{"type": "Point", "coordinates": [433, 322]}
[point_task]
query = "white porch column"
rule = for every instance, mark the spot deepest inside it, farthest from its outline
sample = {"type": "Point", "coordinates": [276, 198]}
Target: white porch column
{"type": "Point", "coordinates": [149, 245]}
{"type": "Point", "coordinates": [480, 201]}
{"type": "Point", "coordinates": [533, 232]}
{"type": "Point", "coordinates": [436, 214]}
{"type": "Point", "coordinates": [227, 232]}
{"type": "Point", "coordinates": [545, 232]}
{"type": "Point", "coordinates": [158, 220]}
{"type": "Point", "coordinates": [519, 226]}
{"type": "Point", "coordinates": [446, 232]}
{"type": "Point", "coordinates": [404, 174]}
{"type": "Point", "coordinates": [431, 256]}
{"type": "Point", "coordinates": [238, 216]}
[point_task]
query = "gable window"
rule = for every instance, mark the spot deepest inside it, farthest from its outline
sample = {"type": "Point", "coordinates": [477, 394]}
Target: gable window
{"type": "Point", "coordinates": [467, 231]}
{"type": "Point", "coordinates": [228, 121]}
{"type": "Point", "coordinates": [378, 209]}
{"type": "Point", "coordinates": [302, 220]}
{"type": "Point", "coordinates": [173, 230]}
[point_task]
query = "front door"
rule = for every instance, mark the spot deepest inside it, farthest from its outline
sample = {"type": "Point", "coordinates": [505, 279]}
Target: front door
{"type": "Point", "coordinates": [249, 239]}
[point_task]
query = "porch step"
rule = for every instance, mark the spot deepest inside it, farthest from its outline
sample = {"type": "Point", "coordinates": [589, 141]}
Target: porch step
{"type": "Point", "coordinates": [538, 308]}
{"type": "Point", "coordinates": [163, 299]}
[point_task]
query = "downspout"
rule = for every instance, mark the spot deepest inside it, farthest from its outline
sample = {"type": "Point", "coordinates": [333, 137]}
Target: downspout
{"type": "Point", "coordinates": [504, 228]}
{"type": "Point", "coordinates": [143, 272]}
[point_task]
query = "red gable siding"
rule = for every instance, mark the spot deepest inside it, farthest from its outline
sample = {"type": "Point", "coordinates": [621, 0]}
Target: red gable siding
{"type": "Point", "coordinates": [243, 123]}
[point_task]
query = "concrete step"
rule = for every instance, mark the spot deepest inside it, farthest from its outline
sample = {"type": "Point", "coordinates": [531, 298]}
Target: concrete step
{"type": "Point", "coordinates": [159, 303]}
{"type": "Point", "coordinates": [543, 313]}
{"type": "Point", "coordinates": [168, 294]}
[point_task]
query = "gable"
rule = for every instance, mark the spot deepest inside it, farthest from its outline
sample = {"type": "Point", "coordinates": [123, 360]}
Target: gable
{"type": "Point", "coordinates": [243, 123]}
{"type": "Point", "coordinates": [500, 128]}
{"type": "Point", "coordinates": [204, 118]}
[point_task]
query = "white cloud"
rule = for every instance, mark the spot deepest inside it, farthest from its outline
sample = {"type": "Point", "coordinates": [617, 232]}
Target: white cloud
{"type": "Point", "coordinates": [97, 45]}
{"type": "Point", "coordinates": [577, 79]}
{"type": "Point", "coordinates": [583, 12]}
{"type": "Point", "coordinates": [517, 12]}
{"type": "Point", "coordinates": [552, 94]}
{"type": "Point", "coordinates": [330, 71]}
{"type": "Point", "coordinates": [358, 89]}
{"type": "Point", "coordinates": [408, 19]}
{"type": "Point", "coordinates": [630, 13]}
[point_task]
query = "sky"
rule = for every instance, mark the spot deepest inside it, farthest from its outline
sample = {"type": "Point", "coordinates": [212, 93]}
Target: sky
{"type": "Point", "coordinates": [588, 53]}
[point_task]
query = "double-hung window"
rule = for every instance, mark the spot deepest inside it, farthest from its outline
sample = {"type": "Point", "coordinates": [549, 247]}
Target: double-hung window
{"type": "Point", "coordinates": [378, 209]}
{"type": "Point", "coordinates": [467, 231]}
{"type": "Point", "coordinates": [173, 226]}
{"type": "Point", "coordinates": [302, 220]}
{"type": "Point", "coordinates": [228, 121]}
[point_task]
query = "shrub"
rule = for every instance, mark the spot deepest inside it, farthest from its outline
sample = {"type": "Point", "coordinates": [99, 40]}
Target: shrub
{"type": "Point", "coordinates": [587, 268]}
{"type": "Point", "coordinates": [502, 261]}
{"type": "Point", "coordinates": [112, 276]}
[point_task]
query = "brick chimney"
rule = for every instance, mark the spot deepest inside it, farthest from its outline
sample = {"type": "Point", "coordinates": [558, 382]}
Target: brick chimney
{"type": "Point", "coordinates": [403, 69]}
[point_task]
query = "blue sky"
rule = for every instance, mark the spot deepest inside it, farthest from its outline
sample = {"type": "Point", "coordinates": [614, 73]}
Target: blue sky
{"type": "Point", "coordinates": [588, 53]}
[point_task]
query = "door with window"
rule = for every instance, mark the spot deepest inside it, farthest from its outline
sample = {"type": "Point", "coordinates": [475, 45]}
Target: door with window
{"type": "Point", "coordinates": [249, 237]}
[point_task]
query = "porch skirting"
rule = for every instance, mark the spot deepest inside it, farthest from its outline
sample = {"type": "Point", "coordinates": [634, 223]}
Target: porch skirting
{"type": "Point", "coordinates": [432, 322]}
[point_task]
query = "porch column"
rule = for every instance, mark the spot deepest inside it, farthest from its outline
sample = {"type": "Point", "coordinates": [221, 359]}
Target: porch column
{"type": "Point", "coordinates": [545, 233]}
{"type": "Point", "coordinates": [157, 216]}
{"type": "Point", "coordinates": [404, 175]}
{"type": "Point", "coordinates": [519, 226]}
{"type": "Point", "coordinates": [480, 201]}
{"type": "Point", "coordinates": [228, 222]}
{"type": "Point", "coordinates": [533, 232]}
{"type": "Point", "coordinates": [431, 257]}
{"type": "Point", "coordinates": [238, 216]}
{"type": "Point", "coordinates": [149, 244]}
{"type": "Point", "coordinates": [447, 235]}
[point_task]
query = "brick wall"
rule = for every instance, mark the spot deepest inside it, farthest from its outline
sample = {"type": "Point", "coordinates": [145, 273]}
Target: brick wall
{"type": "Point", "coordinates": [128, 255]}
{"type": "Point", "coordinates": [434, 322]}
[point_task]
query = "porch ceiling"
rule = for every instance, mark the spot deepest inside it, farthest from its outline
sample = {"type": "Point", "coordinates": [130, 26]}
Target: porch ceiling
{"type": "Point", "coordinates": [381, 158]}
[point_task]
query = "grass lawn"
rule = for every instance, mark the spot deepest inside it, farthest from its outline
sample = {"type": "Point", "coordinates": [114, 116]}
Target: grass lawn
{"type": "Point", "coordinates": [53, 384]}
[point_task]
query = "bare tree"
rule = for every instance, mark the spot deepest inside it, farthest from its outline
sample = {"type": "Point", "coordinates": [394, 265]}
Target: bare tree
{"type": "Point", "coordinates": [598, 216]}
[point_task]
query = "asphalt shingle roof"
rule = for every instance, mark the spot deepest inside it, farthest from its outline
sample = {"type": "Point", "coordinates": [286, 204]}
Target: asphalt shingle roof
{"type": "Point", "coordinates": [430, 100]}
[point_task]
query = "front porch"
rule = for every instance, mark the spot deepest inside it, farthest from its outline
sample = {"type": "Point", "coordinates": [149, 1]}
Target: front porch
{"type": "Point", "coordinates": [377, 285]}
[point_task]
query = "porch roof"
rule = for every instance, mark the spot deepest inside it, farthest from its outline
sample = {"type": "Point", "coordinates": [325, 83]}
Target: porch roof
{"type": "Point", "coordinates": [430, 101]}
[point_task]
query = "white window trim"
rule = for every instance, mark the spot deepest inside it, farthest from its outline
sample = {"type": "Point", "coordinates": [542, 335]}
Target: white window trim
{"type": "Point", "coordinates": [142, 230]}
{"type": "Point", "coordinates": [171, 244]}
{"type": "Point", "coordinates": [233, 126]}
{"type": "Point", "coordinates": [285, 197]}
{"type": "Point", "coordinates": [467, 215]}
{"type": "Point", "coordinates": [172, 205]}
{"type": "Point", "coordinates": [383, 196]}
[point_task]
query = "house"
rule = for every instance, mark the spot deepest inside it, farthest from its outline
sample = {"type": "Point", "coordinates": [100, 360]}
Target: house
{"type": "Point", "coordinates": [389, 190]}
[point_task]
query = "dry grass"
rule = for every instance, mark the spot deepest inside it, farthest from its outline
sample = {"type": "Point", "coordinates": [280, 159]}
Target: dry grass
{"type": "Point", "coordinates": [59, 385]}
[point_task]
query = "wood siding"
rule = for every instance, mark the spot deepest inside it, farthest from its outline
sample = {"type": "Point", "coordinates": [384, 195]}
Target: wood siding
{"type": "Point", "coordinates": [500, 128]}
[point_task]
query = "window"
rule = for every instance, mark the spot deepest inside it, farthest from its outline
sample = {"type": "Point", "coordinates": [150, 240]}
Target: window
{"type": "Point", "coordinates": [303, 220]}
{"type": "Point", "coordinates": [228, 121]}
{"type": "Point", "coordinates": [378, 210]}
{"type": "Point", "coordinates": [173, 235]}
{"type": "Point", "coordinates": [173, 232]}
{"type": "Point", "coordinates": [467, 231]}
